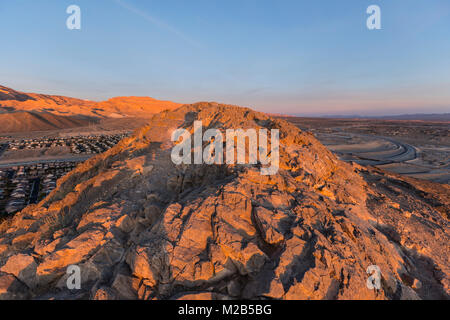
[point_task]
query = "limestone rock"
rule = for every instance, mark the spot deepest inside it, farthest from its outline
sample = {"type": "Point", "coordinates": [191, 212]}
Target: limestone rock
{"type": "Point", "coordinates": [23, 267]}
{"type": "Point", "coordinates": [125, 287]}
{"type": "Point", "coordinates": [11, 288]}
{"type": "Point", "coordinates": [77, 250]}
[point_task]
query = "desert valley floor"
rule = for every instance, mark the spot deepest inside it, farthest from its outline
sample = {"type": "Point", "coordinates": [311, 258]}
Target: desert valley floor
{"type": "Point", "coordinates": [419, 149]}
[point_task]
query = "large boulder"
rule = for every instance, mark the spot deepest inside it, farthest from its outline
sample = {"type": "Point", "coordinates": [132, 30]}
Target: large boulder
{"type": "Point", "coordinates": [23, 267]}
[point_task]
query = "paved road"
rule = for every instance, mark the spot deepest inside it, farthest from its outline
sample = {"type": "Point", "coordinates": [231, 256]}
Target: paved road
{"type": "Point", "coordinates": [27, 163]}
{"type": "Point", "coordinates": [34, 191]}
{"type": "Point", "coordinates": [3, 148]}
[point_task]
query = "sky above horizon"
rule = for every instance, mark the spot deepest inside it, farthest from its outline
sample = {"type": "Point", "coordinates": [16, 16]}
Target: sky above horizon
{"type": "Point", "coordinates": [294, 57]}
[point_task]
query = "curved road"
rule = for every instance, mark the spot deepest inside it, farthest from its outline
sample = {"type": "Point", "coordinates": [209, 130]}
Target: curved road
{"type": "Point", "coordinates": [401, 152]}
{"type": "Point", "coordinates": [405, 153]}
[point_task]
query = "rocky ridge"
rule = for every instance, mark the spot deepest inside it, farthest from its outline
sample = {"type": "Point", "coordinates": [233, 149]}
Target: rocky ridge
{"type": "Point", "coordinates": [140, 227]}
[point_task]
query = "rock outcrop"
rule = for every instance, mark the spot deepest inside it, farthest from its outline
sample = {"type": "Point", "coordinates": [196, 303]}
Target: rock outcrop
{"type": "Point", "coordinates": [141, 227]}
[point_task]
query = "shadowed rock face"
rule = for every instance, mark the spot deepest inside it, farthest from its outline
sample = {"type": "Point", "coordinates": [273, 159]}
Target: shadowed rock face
{"type": "Point", "coordinates": [140, 227]}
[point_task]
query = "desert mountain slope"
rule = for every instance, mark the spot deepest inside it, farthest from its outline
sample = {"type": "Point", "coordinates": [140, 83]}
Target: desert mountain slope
{"type": "Point", "coordinates": [31, 121]}
{"type": "Point", "coordinates": [139, 226]}
{"type": "Point", "coordinates": [11, 100]}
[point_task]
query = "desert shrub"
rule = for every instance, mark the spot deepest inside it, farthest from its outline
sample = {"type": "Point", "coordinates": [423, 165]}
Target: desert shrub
{"type": "Point", "coordinates": [5, 223]}
{"type": "Point", "coordinates": [58, 220]}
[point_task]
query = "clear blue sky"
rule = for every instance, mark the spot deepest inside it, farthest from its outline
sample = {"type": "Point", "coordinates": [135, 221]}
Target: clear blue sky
{"type": "Point", "coordinates": [303, 57]}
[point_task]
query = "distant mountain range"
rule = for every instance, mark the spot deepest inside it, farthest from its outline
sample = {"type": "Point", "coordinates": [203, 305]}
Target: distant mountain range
{"type": "Point", "coordinates": [419, 116]}
{"type": "Point", "coordinates": [119, 107]}
{"type": "Point", "coordinates": [413, 117]}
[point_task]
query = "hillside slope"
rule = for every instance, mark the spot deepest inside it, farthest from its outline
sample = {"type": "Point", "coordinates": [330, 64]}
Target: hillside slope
{"type": "Point", "coordinates": [140, 227]}
{"type": "Point", "coordinates": [31, 121]}
{"type": "Point", "coordinates": [11, 100]}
